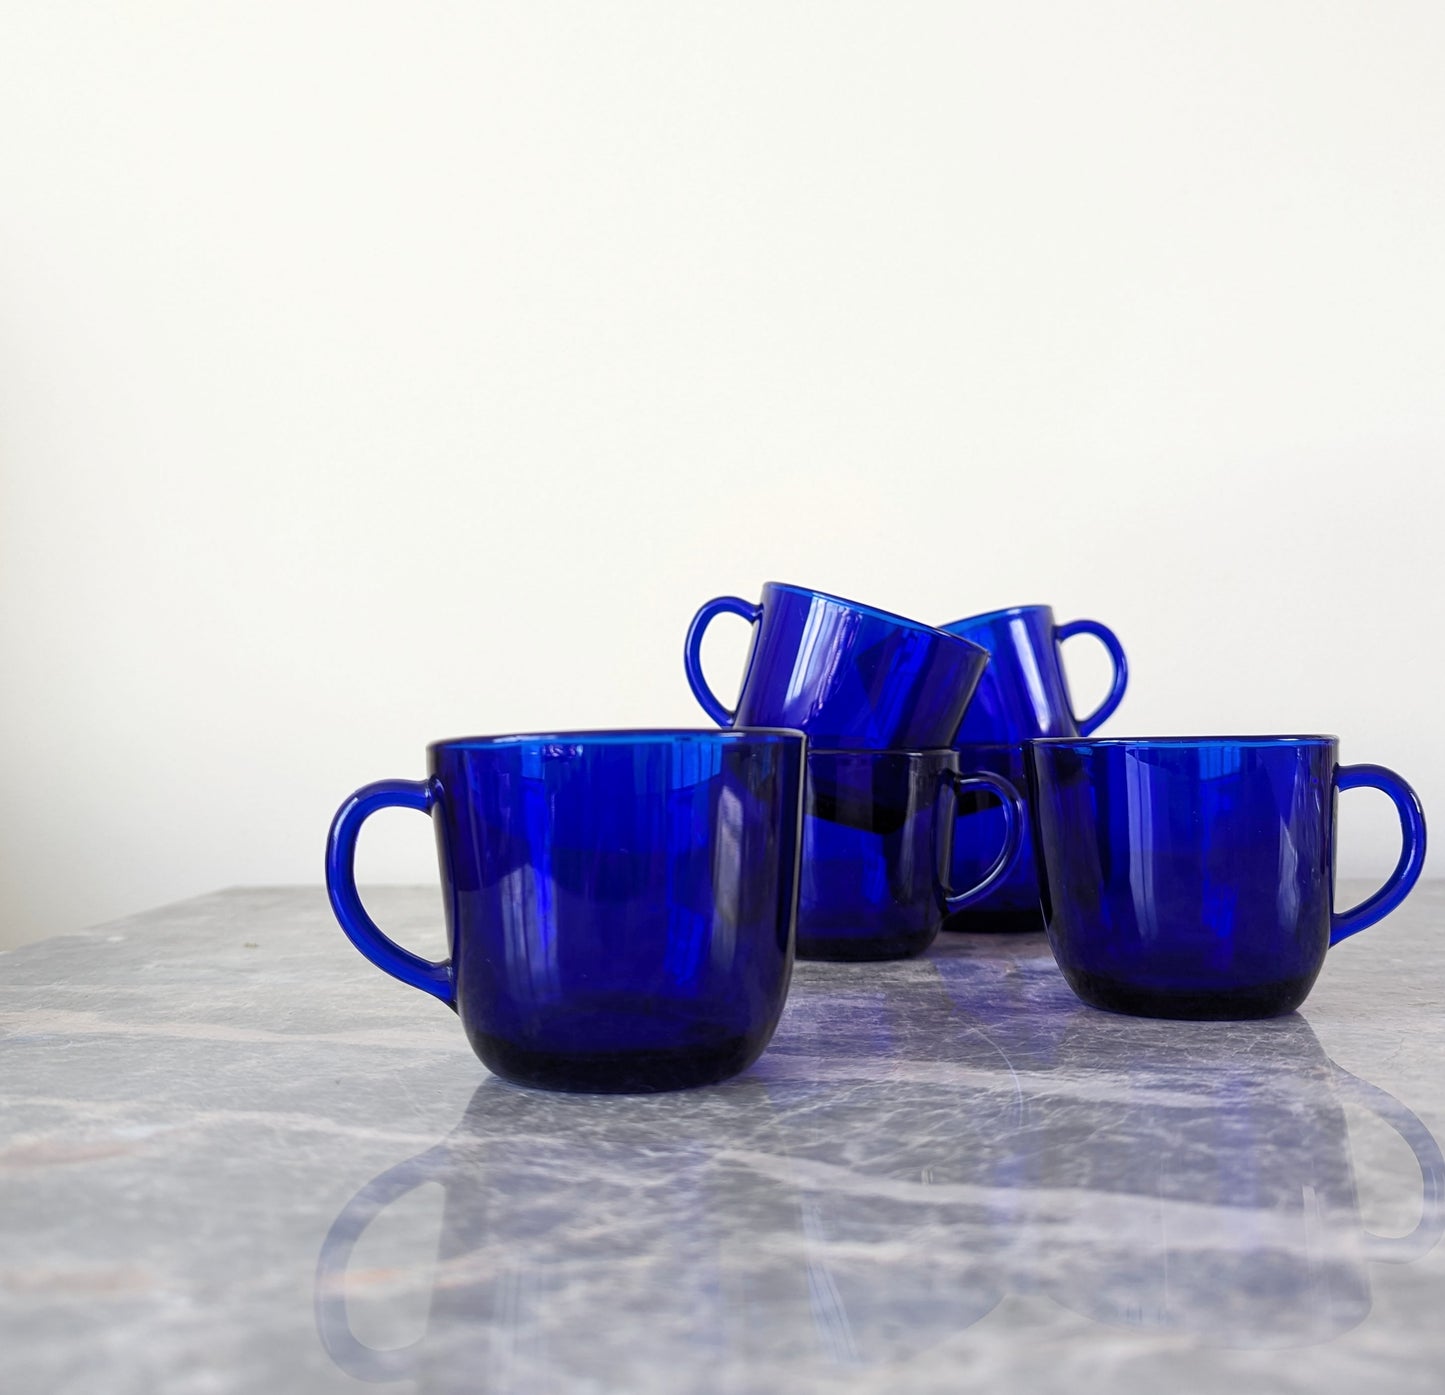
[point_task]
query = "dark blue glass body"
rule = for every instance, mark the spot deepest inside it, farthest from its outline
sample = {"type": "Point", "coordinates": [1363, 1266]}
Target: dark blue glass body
{"type": "Point", "coordinates": [1012, 902]}
{"type": "Point", "coordinates": [1024, 694]}
{"type": "Point", "coordinates": [1193, 877]}
{"type": "Point", "coordinates": [620, 905]}
{"type": "Point", "coordinates": [877, 836]}
{"type": "Point", "coordinates": [849, 676]}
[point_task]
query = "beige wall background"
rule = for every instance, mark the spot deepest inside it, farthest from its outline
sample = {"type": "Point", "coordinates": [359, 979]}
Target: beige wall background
{"type": "Point", "coordinates": [371, 373]}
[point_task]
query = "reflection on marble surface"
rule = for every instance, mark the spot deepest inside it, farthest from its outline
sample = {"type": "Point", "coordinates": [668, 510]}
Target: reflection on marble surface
{"type": "Point", "coordinates": [888, 1197]}
{"type": "Point", "coordinates": [944, 1172]}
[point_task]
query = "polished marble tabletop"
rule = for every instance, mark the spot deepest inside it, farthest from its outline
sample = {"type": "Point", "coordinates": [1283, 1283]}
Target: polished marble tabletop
{"type": "Point", "coordinates": [234, 1158]}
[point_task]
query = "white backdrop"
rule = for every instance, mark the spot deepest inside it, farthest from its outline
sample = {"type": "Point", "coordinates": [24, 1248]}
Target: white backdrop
{"type": "Point", "coordinates": [371, 373]}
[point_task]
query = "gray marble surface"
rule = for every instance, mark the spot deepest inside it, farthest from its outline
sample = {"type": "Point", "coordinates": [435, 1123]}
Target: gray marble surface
{"type": "Point", "coordinates": [234, 1157]}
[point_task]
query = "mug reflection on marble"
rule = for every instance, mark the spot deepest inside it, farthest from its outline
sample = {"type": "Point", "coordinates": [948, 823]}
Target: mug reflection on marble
{"type": "Point", "coordinates": [1221, 1197]}
{"type": "Point", "coordinates": [703, 1243]}
{"type": "Point", "coordinates": [539, 1282]}
{"type": "Point", "coordinates": [847, 1204]}
{"type": "Point", "coordinates": [899, 1118]}
{"type": "Point", "coordinates": [912, 1150]}
{"type": "Point", "coordinates": [1185, 1177]}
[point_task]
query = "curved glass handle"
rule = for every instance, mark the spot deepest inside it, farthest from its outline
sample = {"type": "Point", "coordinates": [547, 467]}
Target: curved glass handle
{"type": "Point", "coordinates": [1412, 848]}
{"type": "Point", "coordinates": [1403, 1249]}
{"type": "Point", "coordinates": [692, 651]}
{"type": "Point", "coordinates": [1110, 641]}
{"type": "Point", "coordinates": [361, 930]}
{"type": "Point", "coordinates": [1013, 817]}
{"type": "Point", "coordinates": [332, 1323]}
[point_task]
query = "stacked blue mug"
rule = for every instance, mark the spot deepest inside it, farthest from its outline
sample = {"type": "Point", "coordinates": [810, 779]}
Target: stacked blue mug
{"type": "Point", "coordinates": [623, 908]}
{"type": "Point", "coordinates": [880, 699]}
{"type": "Point", "coordinates": [1023, 696]}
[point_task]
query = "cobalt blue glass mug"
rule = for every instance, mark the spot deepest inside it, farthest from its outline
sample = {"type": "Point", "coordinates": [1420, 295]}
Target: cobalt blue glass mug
{"type": "Point", "coordinates": [849, 676]}
{"type": "Point", "coordinates": [1194, 876]}
{"type": "Point", "coordinates": [1024, 693]}
{"type": "Point", "coordinates": [877, 837]}
{"type": "Point", "coordinates": [620, 905]}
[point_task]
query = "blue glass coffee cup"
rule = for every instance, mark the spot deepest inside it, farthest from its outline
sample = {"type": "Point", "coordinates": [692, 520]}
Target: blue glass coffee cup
{"type": "Point", "coordinates": [620, 905]}
{"type": "Point", "coordinates": [1194, 876]}
{"type": "Point", "coordinates": [878, 831]}
{"type": "Point", "coordinates": [1024, 693]}
{"type": "Point", "coordinates": [851, 677]}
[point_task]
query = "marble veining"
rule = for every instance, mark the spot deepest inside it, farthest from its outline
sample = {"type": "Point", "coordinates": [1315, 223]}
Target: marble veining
{"type": "Point", "coordinates": [234, 1158]}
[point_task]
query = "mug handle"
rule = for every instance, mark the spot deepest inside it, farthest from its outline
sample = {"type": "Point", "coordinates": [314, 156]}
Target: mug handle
{"type": "Point", "coordinates": [1412, 848]}
{"type": "Point", "coordinates": [361, 930]}
{"type": "Point", "coordinates": [333, 1325]}
{"type": "Point", "coordinates": [692, 651]}
{"type": "Point", "coordinates": [1013, 817]}
{"type": "Point", "coordinates": [1110, 641]}
{"type": "Point", "coordinates": [1403, 1249]}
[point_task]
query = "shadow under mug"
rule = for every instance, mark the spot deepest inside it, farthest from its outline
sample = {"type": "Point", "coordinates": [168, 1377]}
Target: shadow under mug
{"type": "Point", "coordinates": [1194, 876]}
{"type": "Point", "coordinates": [849, 676]}
{"type": "Point", "coordinates": [1023, 694]}
{"type": "Point", "coordinates": [620, 905]}
{"type": "Point", "coordinates": [878, 830]}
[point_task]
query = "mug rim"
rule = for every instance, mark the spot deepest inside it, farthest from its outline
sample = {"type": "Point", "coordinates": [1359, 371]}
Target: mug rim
{"type": "Point", "coordinates": [892, 617]}
{"type": "Point", "coordinates": [1091, 742]}
{"type": "Point", "coordinates": [626, 736]}
{"type": "Point", "coordinates": [1001, 613]}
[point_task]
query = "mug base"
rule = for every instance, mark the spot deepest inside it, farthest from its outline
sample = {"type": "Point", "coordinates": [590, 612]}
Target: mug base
{"type": "Point", "coordinates": [856, 949]}
{"type": "Point", "coordinates": [985, 922]}
{"type": "Point", "coordinates": [640, 1072]}
{"type": "Point", "coordinates": [1215, 1005]}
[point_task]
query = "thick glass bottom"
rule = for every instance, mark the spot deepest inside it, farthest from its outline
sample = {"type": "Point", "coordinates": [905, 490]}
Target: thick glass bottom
{"type": "Point", "coordinates": [635, 1072]}
{"type": "Point", "coordinates": [1213, 1005]}
{"type": "Point", "coordinates": [858, 949]}
{"type": "Point", "coordinates": [995, 922]}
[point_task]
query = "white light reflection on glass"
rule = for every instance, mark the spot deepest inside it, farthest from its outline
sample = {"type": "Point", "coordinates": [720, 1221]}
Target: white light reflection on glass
{"type": "Point", "coordinates": [1033, 677]}
{"type": "Point", "coordinates": [727, 872]}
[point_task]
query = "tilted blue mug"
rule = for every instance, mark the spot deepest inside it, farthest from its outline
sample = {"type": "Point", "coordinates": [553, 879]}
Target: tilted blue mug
{"type": "Point", "coordinates": [877, 836]}
{"type": "Point", "coordinates": [1024, 694]}
{"type": "Point", "coordinates": [848, 675]}
{"type": "Point", "coordinates": [620, 905]}
{"type": "Point", "coordinates": [1194, 876]}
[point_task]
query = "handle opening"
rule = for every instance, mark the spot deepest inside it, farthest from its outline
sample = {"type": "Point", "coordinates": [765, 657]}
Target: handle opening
{"type": "Point", "coordinates": [1407, 871]}
{"type": "Point", "coordinates": [692, 652]}
{"type": "Point", "coordinates": [1013, 814]}
{"type": "Point", "coordinates": [361, 930]}
{"type": "Point", "coordinates": [1115, 696]}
